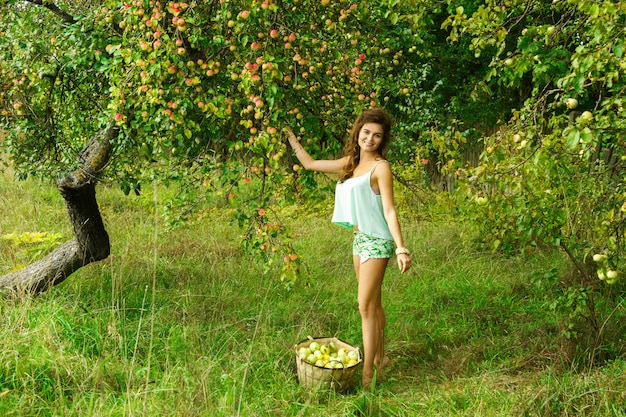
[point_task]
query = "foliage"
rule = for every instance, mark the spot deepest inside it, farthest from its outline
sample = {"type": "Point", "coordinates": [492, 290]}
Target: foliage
{"type": "Point", "coordinates": [553, 175]}
{"type": "Point", "coordinates": [190, 81]}
{"type": "Point", "coordinates": [202, 89]}
{"type": "Point", "coordinates": [31, 246]}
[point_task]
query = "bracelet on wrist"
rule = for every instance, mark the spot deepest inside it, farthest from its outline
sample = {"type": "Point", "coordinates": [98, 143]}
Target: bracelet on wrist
{"type": "Point", "coordinates": [402, 251]}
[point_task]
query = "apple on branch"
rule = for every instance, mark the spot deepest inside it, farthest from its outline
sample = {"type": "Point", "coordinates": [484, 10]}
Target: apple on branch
{"type": "Point", "coordinates": [571, 103]}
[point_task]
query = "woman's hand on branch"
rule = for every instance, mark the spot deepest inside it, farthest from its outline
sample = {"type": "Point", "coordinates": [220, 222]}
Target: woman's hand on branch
{"type": "Point", "coordinates": [293, 140]}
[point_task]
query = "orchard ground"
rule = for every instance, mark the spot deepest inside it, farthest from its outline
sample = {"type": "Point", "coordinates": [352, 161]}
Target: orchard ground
{"type": "Point", "coordinates": [180, 321]}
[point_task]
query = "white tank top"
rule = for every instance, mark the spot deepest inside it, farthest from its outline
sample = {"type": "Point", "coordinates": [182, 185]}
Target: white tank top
{"type": "Point", "coordinates": [356, 204]}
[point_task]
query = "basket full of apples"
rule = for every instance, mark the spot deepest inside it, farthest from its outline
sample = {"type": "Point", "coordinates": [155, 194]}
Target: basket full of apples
{"type": "Point", "coordinates": [327, 362]}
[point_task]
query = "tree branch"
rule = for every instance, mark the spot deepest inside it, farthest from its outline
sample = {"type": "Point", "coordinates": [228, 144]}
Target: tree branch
{"type": "Point", "coordinates": [66, 17]}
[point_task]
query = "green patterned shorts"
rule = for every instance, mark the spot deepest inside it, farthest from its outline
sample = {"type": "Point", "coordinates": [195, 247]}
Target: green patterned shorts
{"type": "Point", "coordinates": [370, 247]}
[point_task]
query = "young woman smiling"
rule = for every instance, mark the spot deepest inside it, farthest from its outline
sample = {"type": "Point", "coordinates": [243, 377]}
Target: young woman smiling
{"type": "Point", "coordinates": [364, 202]}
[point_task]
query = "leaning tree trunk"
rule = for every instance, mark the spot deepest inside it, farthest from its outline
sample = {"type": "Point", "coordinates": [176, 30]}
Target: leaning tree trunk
{"type": "Point", "coordinates": [91, 242]}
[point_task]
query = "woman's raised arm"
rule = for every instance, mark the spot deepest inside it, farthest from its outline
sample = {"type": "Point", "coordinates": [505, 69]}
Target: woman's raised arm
{"type": "Point", "coordinates": [330, 166]}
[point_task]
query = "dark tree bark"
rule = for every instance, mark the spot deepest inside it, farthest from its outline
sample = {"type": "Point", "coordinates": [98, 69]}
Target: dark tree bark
{"type": "Point", "coordinates": [91, 242]}
{"type": "Point", "coordinates": [66, 17]}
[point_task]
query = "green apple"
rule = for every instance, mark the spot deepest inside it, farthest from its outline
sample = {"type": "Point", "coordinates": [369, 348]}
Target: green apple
{"type": "Point", "coordinates": [611, 275]}
{"type": "Point", "coordinates": [314, 346]}
{"type": "Point", "coordinates": [571, 103]}
{"type": "Point", "coordinates": [336, 362]}
{"type": "Point", "coordinates": [586, 116]}
{"type": "Point", "coordinates": [598, 257]}
{"type": "Point", "coordinates": [303, 352]}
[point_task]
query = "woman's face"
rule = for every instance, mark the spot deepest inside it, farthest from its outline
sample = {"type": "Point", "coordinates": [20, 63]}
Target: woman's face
{"type": "Point", "coordinates": [370, 137]}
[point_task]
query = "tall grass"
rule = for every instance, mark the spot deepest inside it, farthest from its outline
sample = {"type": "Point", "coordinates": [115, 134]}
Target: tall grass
{"type": "Point", "coordinates": [182, 322]}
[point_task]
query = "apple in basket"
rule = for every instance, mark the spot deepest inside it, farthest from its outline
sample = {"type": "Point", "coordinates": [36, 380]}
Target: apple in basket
{"type": "Point", "coordinates": [326, 355]}
{"type": "Point", "coordinates": [313, 346]}
{"type": "Point", "coordinates": [303, 352]}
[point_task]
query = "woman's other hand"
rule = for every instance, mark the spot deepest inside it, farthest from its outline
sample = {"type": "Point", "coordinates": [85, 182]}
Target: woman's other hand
{"type": "Point", "coordinates": [404, 262]}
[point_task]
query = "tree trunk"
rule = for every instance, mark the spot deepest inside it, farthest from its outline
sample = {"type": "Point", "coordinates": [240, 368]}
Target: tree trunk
{"type": "Point", "coordinates": [91, 241]}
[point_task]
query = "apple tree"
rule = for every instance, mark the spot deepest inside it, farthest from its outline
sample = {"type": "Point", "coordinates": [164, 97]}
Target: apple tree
{"type": "Point", "coordinates": [196, 94]}
{"type": "Point", "coordinates": [553, 176]}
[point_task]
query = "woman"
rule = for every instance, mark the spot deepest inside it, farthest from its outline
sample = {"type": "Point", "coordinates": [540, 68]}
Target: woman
{"type": "Point", "coordinates": [364, 202]}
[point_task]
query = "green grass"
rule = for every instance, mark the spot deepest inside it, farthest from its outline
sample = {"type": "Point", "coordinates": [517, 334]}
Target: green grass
{"type": "Point", "coordinates": [182, 322]}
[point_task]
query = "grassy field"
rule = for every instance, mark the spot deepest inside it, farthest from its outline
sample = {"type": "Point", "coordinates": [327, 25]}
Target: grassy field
{"type": "Point", "coordinates": [181, 322]}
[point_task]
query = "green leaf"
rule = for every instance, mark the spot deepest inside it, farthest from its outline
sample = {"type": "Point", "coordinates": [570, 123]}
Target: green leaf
{"type": "Point", "coordinates": [618, 49]}
{"type": "Point", "coordinates": [573, 138]}
{"type": "Point", "coordinates": [578, 83]}
{"type": "Point", "coordinates": [586, 136]}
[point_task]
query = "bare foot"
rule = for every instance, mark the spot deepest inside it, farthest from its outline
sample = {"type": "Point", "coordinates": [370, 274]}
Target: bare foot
{"type": "Point", "coordinates": [367, 381]}
{"type": "Point", "coordinates": [380, 367]}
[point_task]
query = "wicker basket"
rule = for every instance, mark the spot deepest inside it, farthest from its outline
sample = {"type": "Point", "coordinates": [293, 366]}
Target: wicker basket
{"type": "Point", "coordinates": [318, 377]}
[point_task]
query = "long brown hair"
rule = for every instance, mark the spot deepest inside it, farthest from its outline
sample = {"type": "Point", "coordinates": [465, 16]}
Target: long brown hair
{"type": "Point", "coordinates": [353, 150]}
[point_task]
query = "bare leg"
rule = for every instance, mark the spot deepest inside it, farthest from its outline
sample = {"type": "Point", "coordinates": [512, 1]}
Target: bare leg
{"type": "Point", "coordinates": [380, 360]}
{"type": "Point", "coordinates": [370, 276]}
